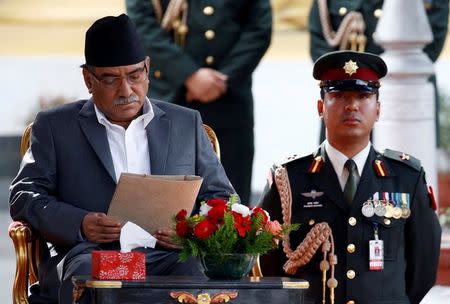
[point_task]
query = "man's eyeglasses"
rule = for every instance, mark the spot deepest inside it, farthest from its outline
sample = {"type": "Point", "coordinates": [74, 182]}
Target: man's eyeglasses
{"type": "Point", "coordinates": [114, 82]}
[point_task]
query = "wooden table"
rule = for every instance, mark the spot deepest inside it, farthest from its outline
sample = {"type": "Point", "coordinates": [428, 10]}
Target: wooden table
{"type": "Point", "coordinates": [170, 289]}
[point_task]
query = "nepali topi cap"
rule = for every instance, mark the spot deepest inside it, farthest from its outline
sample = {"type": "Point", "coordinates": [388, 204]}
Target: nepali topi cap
{"type": "Point", "coordinates": [113, 41]}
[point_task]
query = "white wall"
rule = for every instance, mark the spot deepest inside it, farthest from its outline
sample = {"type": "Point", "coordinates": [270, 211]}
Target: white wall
{"type": "Point", "coordinates": [285, 101]}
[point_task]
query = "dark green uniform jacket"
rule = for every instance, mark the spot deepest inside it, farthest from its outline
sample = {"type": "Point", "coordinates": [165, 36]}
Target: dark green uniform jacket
{"type": "Point", "coordinates": [241, 35]}
{"type": "Point", "coordinates": [437, 12]}
{"type": "Point", "coordinates": [411, 245]}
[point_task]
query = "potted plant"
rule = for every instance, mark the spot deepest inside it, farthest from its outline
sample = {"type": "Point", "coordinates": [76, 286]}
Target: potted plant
{"type": "Point", "coordinates": [227, 236]}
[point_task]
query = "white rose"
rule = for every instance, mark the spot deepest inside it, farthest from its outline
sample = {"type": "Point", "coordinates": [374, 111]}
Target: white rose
{"type": "Point", "coordinates": [204, 209]}
{"type": "Point", "coordinates": [242, 209]}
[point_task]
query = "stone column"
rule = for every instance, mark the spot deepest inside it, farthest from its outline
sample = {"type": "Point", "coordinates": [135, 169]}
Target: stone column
{"type": "Point", "coordinates": [407, 121]}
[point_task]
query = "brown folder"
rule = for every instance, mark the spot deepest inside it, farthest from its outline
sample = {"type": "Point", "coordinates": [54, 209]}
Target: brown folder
{"type": "Point", "coordinates": [150, 201]}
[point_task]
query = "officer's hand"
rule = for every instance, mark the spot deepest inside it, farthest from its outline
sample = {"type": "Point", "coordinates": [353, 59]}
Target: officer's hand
{"type": "Point", "coordinates": [205, 85]}
{"type": "Point", "coordinates": [164, 238]}
{"type": "Point", "coordinates": [99, 228]}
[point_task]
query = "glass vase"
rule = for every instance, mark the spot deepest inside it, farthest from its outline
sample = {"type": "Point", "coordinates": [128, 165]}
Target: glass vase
{"type": "Point", "coordinates": [230, 266]}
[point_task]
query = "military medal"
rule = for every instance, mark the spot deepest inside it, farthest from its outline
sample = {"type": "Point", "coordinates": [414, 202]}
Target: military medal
{"type": "Point", "coordinates": [396, 212]}
{"type": "Point", "coordinates": [380, 210]}
{"type": "Point", "coordinates": [387, 205]}
{"type": "Point", "coordinates": [389, 210]}
{"type": "Point", "coordinates": [406, 212]}
{"type": "Point", "coordinates": [367, 209]}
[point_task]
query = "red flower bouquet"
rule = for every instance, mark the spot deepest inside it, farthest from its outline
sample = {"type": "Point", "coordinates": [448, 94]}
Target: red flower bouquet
{"type": "Point", "coordinates": [227, 227]}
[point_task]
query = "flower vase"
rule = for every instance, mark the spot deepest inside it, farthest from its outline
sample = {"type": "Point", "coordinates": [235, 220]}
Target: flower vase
{"type": "Point", "coordinates": [231, 266]}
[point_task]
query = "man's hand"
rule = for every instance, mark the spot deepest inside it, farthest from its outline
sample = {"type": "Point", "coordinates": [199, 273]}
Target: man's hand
{"type": "Point", "coordinates": [164, 238]}
{"type": "Point", "coordinates": [99, 228]}
{"type": "Point", "coordinates": [205, 85]}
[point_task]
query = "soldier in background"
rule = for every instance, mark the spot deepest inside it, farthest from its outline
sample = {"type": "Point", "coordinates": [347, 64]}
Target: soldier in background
{"type": "Point", "coordinates": [204, 54]}
{"type": "Point", "coordinates": [343, 25]}
{"type": "Point", "coordinates": [368, 229]}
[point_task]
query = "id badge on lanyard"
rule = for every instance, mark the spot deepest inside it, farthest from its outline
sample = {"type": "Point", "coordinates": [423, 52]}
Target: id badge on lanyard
{"type": "Point", "coordinates": [376, 251]}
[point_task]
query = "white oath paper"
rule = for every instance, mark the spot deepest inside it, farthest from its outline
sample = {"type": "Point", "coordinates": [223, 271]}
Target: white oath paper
{"type": "Point", "coordinates": [132, 236]}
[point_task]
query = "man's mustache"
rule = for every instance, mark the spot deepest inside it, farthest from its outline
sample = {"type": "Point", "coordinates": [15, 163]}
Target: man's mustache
{"type": "Point", "coordinates": [125, 100]}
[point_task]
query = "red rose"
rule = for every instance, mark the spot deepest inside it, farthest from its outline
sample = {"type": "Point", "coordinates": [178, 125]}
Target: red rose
{"type": "Point", "coordinates": [181, 215]}
{"type": "Point", "coordinates": [242, 224]}
{"type": "Point", "coordinates": [215, 202]}
{"type": "Point", "coordinates": [182, 229]}
{"type": "Point", "coordinates": [204, 229]}
{"type": "Point", "coordinates": [257, 211]}
{"type": "Point", "coordinates": [216, 213]}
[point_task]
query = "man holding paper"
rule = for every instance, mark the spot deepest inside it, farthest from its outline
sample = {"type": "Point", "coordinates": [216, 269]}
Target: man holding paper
{"type": "Point", "coordinates": [78, 152]}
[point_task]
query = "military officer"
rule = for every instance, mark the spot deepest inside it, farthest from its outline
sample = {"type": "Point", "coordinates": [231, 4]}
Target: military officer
{"type": "Point", "coordinates": [204, 54]}
{"type": "Point", "coordinates": [365, 15]}
{"type": "Point", "coordinates": [369, 214]}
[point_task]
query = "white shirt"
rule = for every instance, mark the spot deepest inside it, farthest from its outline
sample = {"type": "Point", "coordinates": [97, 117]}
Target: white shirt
{"type": "Point", "coordinates": [338, 160]}
{"type": "Point", "coordinates": [129, 147]}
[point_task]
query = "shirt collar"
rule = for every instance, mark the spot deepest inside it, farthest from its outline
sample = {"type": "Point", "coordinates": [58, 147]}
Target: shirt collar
{"type": "Point", "coordinates": [146, 117]}
{"type": "Point", "coordinates": [338, 159]}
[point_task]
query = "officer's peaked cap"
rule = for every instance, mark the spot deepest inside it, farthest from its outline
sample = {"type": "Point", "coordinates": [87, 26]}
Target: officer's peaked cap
{"type": "Point", "coordinates": [113, 41]}
{"type": "Point", "coordinates": [349, 70]}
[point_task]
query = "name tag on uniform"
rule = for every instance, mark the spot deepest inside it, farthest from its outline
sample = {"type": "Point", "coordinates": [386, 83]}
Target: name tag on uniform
{"type": "Point", "coordinates": [376, 253]}
{"type": "Point", "coordinates": [312, 205]}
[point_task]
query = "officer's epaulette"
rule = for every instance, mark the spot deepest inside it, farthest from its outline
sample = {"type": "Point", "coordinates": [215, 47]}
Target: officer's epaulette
{"type": "Point", "coordinates": [289, 159]}
{"type": "Point", "coordinates": [404, 158]}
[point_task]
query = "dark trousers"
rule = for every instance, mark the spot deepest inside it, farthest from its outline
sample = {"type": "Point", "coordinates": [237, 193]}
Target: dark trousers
{"type": "Point", "coordinates": [237, 149]}
{"type": "Point", "coordinates": [158, 262]}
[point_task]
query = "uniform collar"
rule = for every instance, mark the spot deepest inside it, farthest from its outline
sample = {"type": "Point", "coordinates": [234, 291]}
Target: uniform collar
{"type": "Point", "coordinates": [338, 159]}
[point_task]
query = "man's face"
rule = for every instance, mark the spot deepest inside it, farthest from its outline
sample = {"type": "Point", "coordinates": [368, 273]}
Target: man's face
{"type": "Point", "coordinates": [349, 116]}
{"type": "Point", "coordinates": [119, 92]}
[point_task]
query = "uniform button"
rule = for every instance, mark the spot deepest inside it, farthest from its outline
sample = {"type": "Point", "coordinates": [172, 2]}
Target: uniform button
{"type": "Point", "coordinates": [209, 60]}
{"type": "Point", "coordinates": [378, 12]}
{"type": "Point", "coordinates": [342, 11]}
{"type": "Point", "coordinates": [352, 221]}
{"type": "Point", "coordinates": [351, 274]}
{"type": "Point", "coordinates": [311, 222]}
{"type": "Point", "coordinates": [351, 302]}
{"type": "Point", "coordinates": [157, 74]}
{"type": "Point", "coordinates": [387, 221]}
{"type": "Point", "coordinates": [208, 10]}
{"type": "Point", "coordinates": [351, 248]}
{"type": "Point", "coordinates": [209, 34]}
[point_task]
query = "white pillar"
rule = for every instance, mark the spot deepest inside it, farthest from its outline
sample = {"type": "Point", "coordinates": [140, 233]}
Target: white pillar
{"type": "Point", "coordinates": [407, 121]}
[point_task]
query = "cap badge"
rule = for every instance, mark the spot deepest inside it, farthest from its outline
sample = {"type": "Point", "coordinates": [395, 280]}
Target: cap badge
{"type": "Point", "coordinates": [350, 67]}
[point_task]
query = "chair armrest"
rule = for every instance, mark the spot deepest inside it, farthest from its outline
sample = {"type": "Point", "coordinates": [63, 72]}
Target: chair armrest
{"type": "Point", "coordinates": [27, 258]}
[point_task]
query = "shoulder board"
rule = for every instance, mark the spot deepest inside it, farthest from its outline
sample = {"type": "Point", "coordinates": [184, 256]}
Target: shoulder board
{"type": "Point", "coordinates": [289, 159]}
{"type": "Point", "coordinates": [404, 158]}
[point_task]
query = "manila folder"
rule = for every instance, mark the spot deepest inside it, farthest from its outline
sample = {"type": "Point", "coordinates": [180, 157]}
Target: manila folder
{"type": "Point", "coordinates": [150, 201]}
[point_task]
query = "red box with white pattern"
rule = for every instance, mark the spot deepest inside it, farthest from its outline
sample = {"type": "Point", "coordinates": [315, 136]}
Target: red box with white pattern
{"type": "Point", "coordinates": [115, 265]}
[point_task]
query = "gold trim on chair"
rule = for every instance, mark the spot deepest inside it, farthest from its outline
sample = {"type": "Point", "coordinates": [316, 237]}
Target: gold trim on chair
{"type": "Point", "coordinates": [26, 245]}
{"type": "Point", "coordinates": [20, 233]}
{"type": "Point", "coordinates": [25, 143]}
{"type": "Point", "coordinates": [213, 138]}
